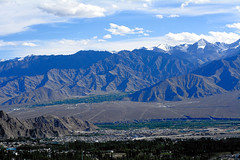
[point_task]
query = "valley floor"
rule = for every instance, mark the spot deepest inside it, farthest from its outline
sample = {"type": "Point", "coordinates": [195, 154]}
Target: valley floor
{"type": "Point", "coordinates": [220, 106]}
{"type": "Point", "coordinates": [173, 130]}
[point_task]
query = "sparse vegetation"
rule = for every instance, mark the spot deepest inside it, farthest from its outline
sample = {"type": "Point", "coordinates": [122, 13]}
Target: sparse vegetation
{"type": "Point", "coordinates": [89, 99]}
{"type": "Point", "coordinates": [171, 124]}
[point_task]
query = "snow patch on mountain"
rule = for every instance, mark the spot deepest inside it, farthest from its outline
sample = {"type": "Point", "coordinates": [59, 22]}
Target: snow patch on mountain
{"type": "Point", "coordinates": [237, 45]}
{"type": "Point", "coordinates": [21, 59]}
{"type": "Point", "coordinates": [202, 43]}
{"type": "Point", "coordinates": [164, 47]}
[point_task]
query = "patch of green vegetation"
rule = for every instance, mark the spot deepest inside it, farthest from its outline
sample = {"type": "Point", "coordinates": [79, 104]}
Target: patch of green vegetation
{"type": "Point", "coordinates": [89, 99]}
{"type": "Point", "coordinates": [86, 135]}
{"type": "Point", "coordinates": [170, 124]}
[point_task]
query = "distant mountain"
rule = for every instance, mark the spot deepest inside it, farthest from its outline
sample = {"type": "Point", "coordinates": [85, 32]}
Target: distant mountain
{"type": "Point", "coordinates": [178, 88]}
{"type": "Point", "coordinates": [224, 73]}
{"type": "Point", "coordinates": [39, 79]}
{"type": "Point", "coordinates": [41, 127]}
{"type": "Point", "coordinates": [38, 65]}
{"type": "Point", "coordinates": [217, 77]}
{"type": "Point", "coordinates": [60, 79]}
{"type": "Point", "coordinates": [204, 51]}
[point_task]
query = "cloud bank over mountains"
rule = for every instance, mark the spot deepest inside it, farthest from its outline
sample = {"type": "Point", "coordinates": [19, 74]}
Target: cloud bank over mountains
{"type": "Point", "coordinates": [22, 20]}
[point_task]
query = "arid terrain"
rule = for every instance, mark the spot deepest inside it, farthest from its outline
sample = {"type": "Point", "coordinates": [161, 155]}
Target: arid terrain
{"type": "Point", "coordinates": [225, 105]}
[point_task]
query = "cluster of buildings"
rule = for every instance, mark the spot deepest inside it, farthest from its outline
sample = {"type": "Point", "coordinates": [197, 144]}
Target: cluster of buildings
{"type": "Point", "coordinates": [145, 133]}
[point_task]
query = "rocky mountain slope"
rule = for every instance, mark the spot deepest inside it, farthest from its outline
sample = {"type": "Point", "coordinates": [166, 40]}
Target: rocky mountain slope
{"type": "Point", "coordinates": [49, 126]}
{"type": "Point", "coordinates": [217, 77]}
{"type": "Point", "coordinates": [12, 127]}
{"type": "Point", "coordinates": [125, 71]}
{"type": "Point", "coordinates": [39, 79]}
{"type": "Point", "coordinates": [41, 127]}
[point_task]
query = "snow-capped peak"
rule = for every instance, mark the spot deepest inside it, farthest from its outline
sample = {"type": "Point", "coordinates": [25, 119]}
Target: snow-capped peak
{"type": "Point", "coordinates": [202, 43]}
{"type": "Point", "coordinates": [184, 47]}
{"type": "Point", "coordinates": [164, 47]}
{"type": "Point", "coordinates": [222, 46]}
{"type": "Point", "coordinates": [21, 59]}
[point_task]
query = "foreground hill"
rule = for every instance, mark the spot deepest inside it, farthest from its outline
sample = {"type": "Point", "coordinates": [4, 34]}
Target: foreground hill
{"type": "Point", "coordinates": [41, 127]}
{"type": "Point", "coordinates": [217, 77]}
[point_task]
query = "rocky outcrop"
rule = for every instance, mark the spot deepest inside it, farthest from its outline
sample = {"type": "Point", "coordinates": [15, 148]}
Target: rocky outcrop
{"type": "Point", "coordinates": [12, 127]}
{"type": "Point", "coordinates": [41, 127]}
{"type": "Point", "coordinates": [53, 126]}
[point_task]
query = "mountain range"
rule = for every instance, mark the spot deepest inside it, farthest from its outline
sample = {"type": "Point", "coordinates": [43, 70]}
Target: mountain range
{"type": "Point", "coordinates": [219, 76]}
{"type": "Point", "coordinates": [155, 74]}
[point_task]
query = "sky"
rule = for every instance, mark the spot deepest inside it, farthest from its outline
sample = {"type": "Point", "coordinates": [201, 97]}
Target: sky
{"type": "Point", "coordinates": [51, 27]}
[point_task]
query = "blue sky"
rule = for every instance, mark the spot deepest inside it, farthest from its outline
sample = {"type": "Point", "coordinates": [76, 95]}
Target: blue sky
{"type": "Point", "coordinates": [45, 27]}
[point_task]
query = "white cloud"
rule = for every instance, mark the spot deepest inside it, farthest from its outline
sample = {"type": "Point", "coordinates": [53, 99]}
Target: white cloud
{"type": "Point", "coordinates": [159, 16]}
{"type": "Point", "coordinates": [3, 43]}
{"type": "Point", "coordinates": [222, 37]}
{"type": "Point", "coordinates": [173, 16]}
{"type": "Point", "coordinates": [72, 42]}
{"type": "Point", "coordinates": [198, 10]}
{"type": "Point", "coordinates": [101, 40]}
{"type": "Point", "coordinates": [234, 25]}
{"type": "Point", "coordinates": [29, 44]}
{"type": "Point", "coordinates": [186, 37]}
{"type": "Point", "coordinates": [119, 30]}
{"type": "Point", "coordinates": [148, 1]}
{"type": "Point", "coordinates": [169, 7]}
{"type": "Point", "coordinates": [186, 3]}
{"type": "Point", "coordinates": [107, 36]}
{"type": "Point", "coordinates": [123, 30]}
{"type": "Point", "coordinates": [16, 43]}
{"type": "Point", "coordinates": [67, 46]}
{"type": "Point", "coordinates": [114, 6]}
{"type": "Point", "coordinates": [72, 8]}
{"type": "Point", "coordinates": [170, 38]}
{"type": "Point", "coordinates": [52, 47]}
{"type": "Point", "coordinates": [145, 5]}
{"type": "Point", "coordinates": [18, 16]}
{"type": "Point", "coordinates": [238, 8]}
{"type": "Point", "coordinates": [95, 37]}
